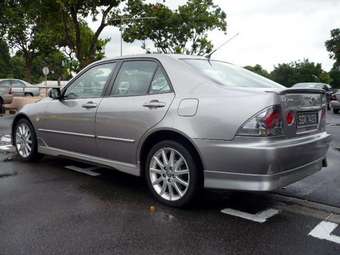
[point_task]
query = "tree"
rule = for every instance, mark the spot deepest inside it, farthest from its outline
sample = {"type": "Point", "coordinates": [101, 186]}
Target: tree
{"type": "Point", "coordinates": [299, 71]}
{"type": "Point", "coordinates": [23, 29]}
{"type": "Point", "coordinates": [259, 70]}
{"type": "Point", "coordinates": [74, 32]}
{"type": "Point", "coordinates": [183, 30]}
{"type": "Point", "coordinates": [333, 46]}
{"type": "Point", "coordinates": [5, 59]}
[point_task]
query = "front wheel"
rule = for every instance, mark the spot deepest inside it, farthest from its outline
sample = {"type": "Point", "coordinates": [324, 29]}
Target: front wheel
{"type": "Point", "coordinates": [172, 174]}
{"type": "Point", "coordinates": [25, 141]}
{"type": "Point", "coordinates": [335, 111]}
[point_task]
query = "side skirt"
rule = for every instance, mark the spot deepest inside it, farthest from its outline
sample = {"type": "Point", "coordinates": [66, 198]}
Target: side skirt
{"type": "Point", "coordinates": [121, 166]}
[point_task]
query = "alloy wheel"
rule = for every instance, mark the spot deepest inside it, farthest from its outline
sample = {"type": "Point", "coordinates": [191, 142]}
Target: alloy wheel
{"type": "Point", "coordinates": [23, 140]}
{"type": "Point", "coordinates": [169, 174]}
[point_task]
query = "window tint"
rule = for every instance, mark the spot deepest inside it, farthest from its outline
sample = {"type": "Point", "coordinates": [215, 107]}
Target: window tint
{"type": "Point", "coordinates": [90, 84]}
{"type": "Point", "coordinates": [17, 84]}
{"type": "Point", "coordinates": [134, 78]}
{"type": "Point", "coordinates": [159, 83]}
{"type": "Point", "coordinates": [5, 83]}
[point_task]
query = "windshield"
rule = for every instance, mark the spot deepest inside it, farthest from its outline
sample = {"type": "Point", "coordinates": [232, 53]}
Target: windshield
{"type": "Point", "coordinates": [231, 75]}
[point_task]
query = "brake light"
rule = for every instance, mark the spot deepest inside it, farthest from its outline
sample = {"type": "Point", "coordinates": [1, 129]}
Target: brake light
{"type": "Point", "coordinates": [290, 118]}
{"type": "Point", "coordinates": [10, 91]}
{"type": "Point", "coordinates": [265, 123]}
{"type": "Point", "coordinates": [333, 97]}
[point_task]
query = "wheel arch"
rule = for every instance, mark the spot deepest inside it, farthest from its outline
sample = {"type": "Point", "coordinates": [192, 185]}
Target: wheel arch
{"type": "Point", "coordinates": [167, 134]}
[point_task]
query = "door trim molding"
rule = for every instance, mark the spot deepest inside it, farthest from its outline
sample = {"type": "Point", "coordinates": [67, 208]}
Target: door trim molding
{"type": "Point", "coordinates": [65, 133]}
{"type": "Point", "coordinates": [116, 139]}
{"type": "Point", "coordinates": [88, 135]}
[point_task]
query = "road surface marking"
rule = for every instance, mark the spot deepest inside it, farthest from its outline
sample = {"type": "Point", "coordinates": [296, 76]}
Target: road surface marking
{"type": "Point", "coordinates": [324, 231]}
{"type": "Point", "coordinates": [88, 170]}
{"type": "Point", "coordinates": [259, 217]}
{"type": "Point", "coordinates": [6, 139]}
{"type": "Point", "coordinates": [6, 147]}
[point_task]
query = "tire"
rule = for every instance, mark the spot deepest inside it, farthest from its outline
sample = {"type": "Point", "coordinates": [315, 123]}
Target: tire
{"type": "Point", "coordinates": [171, 187]}
{"type": "Point", "coordinates": [28, 95]}
{"type": "Point", "coordinates": [335, 111]}
{"type": "Point", "coordinates": [1, 106]}
{"type": "Point", "coordinates": [25, 141]}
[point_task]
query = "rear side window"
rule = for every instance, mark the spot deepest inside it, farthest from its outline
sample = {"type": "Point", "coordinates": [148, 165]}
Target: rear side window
{"type": "Point", "coordinates": [159, 83]}
{"type": "Point", "coordinates": [134, 78]}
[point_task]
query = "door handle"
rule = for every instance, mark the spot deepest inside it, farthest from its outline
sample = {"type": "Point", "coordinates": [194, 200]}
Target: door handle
{"type": "Point", "coordinates": [154, 104]}
{"type": "Point", "coordinates": [89, 105]}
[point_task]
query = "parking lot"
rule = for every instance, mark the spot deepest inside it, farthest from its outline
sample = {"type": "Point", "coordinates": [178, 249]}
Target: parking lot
{"type": "Point", "coordinates": [46, 208]}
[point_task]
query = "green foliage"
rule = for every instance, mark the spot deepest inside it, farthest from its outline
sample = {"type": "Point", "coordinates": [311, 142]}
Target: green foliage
{"type": "Point", "coordinates": [335, 76]}
{"type": "Point", "coordinates": [259, 70]}
{"type": "Point", "coordinates": [183, 30]}
{"type": "Point", "coordinates": [299, 71]}
{"type": "Point", "coordinates": [333, 46]}
{"type": "Point", "coordinates": [5, 67]}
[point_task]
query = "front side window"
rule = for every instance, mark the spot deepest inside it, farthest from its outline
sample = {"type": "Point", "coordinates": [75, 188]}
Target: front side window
{"type": "Point", "coordinates": [230, 75]}
{"type": "Point", "coordinates": [134, 78]}
{"type": "Point", "coordinates": [91, 84]}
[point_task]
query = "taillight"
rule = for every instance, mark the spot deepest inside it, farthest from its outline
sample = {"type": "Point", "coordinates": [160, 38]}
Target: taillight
{"type": "Point", "coordinates": [265, 123]}
{"type": "Point", "coordinates": [10, 91]}
{"type": "Point", "coordinates": [290, 117]}
{"type": "Point", "coordinates": [333, 97]}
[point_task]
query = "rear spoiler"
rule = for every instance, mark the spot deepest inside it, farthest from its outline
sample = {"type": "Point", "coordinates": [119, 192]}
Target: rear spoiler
{"type": "Point", "coordinates": [302, 90]}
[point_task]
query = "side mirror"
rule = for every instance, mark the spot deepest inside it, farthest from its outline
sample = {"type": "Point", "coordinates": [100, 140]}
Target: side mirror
{"type": "Point", "coordinates": [54, 93]}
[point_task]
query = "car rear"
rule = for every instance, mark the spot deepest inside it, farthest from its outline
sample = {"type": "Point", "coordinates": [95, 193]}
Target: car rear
{"type": "Point", "coordinates": [275, 145]}
{"type": "Point", "coordinates": [335, 102]}
{"type": "Point", "coordinates": [6, 94]}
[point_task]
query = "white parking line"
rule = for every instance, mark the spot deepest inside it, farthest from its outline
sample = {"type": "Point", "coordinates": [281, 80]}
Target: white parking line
{"type": "Point", "coordinates": [6, 139]}
{"type": "Point", "coordinates": [259, 217]}
{"type": "Point", "coordinates": [324, 231]}
{"type": "Point", "coordinates": [88, 170]}
{"type": "Point", "coordinates": [6, 147]}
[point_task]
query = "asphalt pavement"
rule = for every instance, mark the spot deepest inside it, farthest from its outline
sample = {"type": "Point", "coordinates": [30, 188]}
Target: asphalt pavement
{"type": "Point", "coordinates": [48, 209]}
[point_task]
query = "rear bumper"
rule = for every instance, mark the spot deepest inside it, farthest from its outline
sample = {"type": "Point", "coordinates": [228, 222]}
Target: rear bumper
{"type": "Point", "coordinates": [258, 182]}
{"type": "Point", "coordinates": [260, 165]}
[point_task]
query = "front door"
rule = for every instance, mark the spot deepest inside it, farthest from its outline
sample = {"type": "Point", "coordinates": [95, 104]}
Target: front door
{"type": "Point", "coordinates": [140, 98]}
{"type": "Point", "coordinates": [69, 123]}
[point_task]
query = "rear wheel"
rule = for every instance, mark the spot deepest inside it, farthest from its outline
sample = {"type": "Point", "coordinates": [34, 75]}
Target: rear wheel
{"type": "Point", "coordinates": [172, 174]}
{"type": "Point", "coordinates": [25, 141]}
{"type": "Point", "coordinates": [28, 94]}
{"type": "Point", "coordinates": [335, 111]}
{"type": "Point", "coordinates": [1, 106]}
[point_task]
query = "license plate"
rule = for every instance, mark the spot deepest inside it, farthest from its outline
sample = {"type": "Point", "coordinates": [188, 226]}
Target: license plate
{"type": "Point", "coordinates": [307, 119]}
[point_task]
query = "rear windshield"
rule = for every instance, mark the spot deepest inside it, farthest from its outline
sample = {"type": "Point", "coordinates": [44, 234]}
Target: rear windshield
{"type": "Point", "coordinates": [309, 85]}
{"type": "Point", "coordinates": [231, 75]}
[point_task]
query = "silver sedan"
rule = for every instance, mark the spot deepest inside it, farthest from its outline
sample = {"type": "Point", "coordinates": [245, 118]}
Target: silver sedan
{"type": "Point", "coordinates": [183, 123]}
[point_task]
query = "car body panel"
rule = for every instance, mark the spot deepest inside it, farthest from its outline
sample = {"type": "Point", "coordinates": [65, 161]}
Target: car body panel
{"type": "Point", "coordinates": [115, 132]}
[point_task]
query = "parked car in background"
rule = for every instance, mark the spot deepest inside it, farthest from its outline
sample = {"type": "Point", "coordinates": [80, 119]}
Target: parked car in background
{"type": "Point", "coordinates": [335, 102]}
{"type": "Point", "coordinates": [317, 85]}
{"type": "Point", "coordinates": [52, 84]}
{"type": "Point", "coordinates": [20, 87]}
{"type": "Point", "coordinates": [182, 122]}
{"type": "Point", "coordinates": [6, 97]}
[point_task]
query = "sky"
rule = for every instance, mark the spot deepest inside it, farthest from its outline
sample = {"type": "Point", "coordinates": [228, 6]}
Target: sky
{"type": "Point", "coordinates": [270, 32]}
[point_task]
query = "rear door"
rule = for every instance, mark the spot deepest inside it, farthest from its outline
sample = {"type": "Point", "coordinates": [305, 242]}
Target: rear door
{"type": "Point", "coordinates": [18, 88]}
{"type": "Point", "coordinates": [139, 99]}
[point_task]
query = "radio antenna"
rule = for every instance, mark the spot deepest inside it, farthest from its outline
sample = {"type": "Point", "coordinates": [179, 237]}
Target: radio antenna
{"type": "Point", "coordinates": [223, 44]}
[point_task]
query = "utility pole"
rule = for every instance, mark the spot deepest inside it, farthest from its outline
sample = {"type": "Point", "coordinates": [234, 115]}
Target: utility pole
{"type": "Point", "coordinates": [127, 19]}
